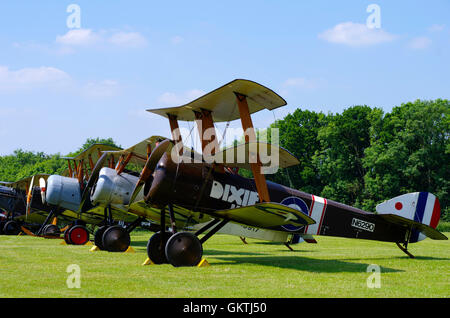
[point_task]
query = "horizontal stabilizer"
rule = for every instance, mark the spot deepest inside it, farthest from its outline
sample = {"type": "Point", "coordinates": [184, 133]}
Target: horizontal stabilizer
{"type": "Point", "coordinates": [222, 102]}
{"type": "Point", "coordinates": [266, 215]}
{"type": "Point", "coordinates": [425, 229]}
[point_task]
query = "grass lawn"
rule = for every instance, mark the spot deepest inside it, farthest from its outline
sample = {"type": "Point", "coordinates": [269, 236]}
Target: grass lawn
{"type": "Point", "coordinates": [36, 267]}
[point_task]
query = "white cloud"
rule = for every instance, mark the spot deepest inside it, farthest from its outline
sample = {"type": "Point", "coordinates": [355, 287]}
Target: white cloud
{"type": "Point", "coordinates": [436, 28]}
{"type": "Point", "coordinates": [101, 89]}
{"type": "Point", "coordinates": [128, 39]}
{"type": "Point", "coordinates": [173, 99]}
{"type": "Point", "coordinates": [300, 82]}
{"type": "Point", "coordinates": [87, 37]}
{"type": "Point", "coordinates": [30, 78]}
{"type": "Point", "coordinates": [355, 35]}
{"type": "Point", "coordinates": [420, 43]}
{"type": "Point", "coordinates": [79, 37]}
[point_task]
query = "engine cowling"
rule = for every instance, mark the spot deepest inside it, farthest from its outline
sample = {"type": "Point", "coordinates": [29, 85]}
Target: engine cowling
{"type": "Point", "coordinates": [112, 188]}
{"type": "Point", "coordinates": [64, 192]}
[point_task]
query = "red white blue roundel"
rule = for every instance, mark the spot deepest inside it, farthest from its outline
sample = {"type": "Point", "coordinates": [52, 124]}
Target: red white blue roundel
{"type": "Point", "coordinates": [298, 204]}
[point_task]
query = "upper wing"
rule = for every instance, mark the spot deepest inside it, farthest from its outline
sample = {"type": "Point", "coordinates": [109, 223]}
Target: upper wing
{"type": "Point", "coordinates": [265, 215]}
{"type": "Point", "coordinates": [222, 102]}
{"type": "Point", "coordinates": [243, 155]}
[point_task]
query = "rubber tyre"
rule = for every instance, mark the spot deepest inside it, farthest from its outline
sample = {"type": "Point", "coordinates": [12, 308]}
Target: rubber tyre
{"type": "Point", "coordinates": [157, 251]}
{"type": "Point", "coordinates": [116, 239]}
{"type": "Point", "coordinates": [78, 235]}
{"type": "Point", "coordinates": [66, 235]}
{"type": "Point", "coordinates": [184, 249]}
{"type": "Point", "coordinates": [11, 228]}
{"type": "Point", "coordinates": [98, 237]}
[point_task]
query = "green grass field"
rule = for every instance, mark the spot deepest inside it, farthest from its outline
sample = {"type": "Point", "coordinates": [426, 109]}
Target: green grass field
{"type": "Point", "coordinates": [36, 267]}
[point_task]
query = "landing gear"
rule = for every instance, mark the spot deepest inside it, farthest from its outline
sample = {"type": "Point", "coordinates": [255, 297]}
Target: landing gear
{"type": "Point", "coordinates": [116, 239]}
{"type": "Point", "coordinates": [51, 230]}
{"type": "Point", "coordinates": [184, 249]}
{"type": "Point", "coordinates": [11, 228]}
{"type": "Point", "coordinates": [98, 237]}
{"type": "Point", "coordinates": [404, 248]}
{"type": "Point", "coordinates": [76, 235]}
{"type": "Point", "coordinates": [156, 247]}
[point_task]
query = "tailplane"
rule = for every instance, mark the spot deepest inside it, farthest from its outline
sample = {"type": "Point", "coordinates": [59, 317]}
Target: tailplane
{"type": "Point", "coordinates": [420, 211]}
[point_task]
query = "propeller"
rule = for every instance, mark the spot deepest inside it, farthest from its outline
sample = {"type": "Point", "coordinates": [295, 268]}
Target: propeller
{"type": "Point", "coordinates": [92, 179]}
{"type": "Point", "coordinates": [43, 187]}
{"type": "Point", "coordinates": [150, 166]}
{"type": "Point", "coordinates": [29, 196]}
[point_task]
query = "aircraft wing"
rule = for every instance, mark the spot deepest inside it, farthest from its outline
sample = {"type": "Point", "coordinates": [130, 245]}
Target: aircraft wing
{"type": "Point", "coordinates": [139, 151]}
{"type": "Point", "coordinates": [25, 182]}
{"type": "Point", "coordinates": [222, 102]}
{"type": "Point", "coordinates": [265, 215]}
{"type": "Point", "coordinates": [242, 155]}
{"type": "Point", "coordinates": [93, 152]}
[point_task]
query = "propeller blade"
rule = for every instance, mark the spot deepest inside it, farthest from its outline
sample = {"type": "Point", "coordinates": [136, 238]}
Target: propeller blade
{"type": "Point", "coordinates": [92, 179]}
{"type": "Point", "coordinates": [29, 196]}
{"type": "Point", "coordinates": [43, 187]}
{"type": "Point", "coordinates": [150, 166]}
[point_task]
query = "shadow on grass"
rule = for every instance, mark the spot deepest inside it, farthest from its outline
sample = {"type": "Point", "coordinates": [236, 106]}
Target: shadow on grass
{"type": "Point", "coordinates": [302, 264]}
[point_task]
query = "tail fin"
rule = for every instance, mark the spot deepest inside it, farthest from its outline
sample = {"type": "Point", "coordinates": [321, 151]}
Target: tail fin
{"type": "Point", "coordinates": [420, 207]}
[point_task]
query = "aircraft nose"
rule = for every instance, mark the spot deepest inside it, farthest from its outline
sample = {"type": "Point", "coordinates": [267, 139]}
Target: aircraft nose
{"type": "Point", "coordinates": [102, 191]}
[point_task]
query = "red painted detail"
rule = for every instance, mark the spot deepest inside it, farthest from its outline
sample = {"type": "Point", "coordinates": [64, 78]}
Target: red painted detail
{"type": "Point", "coordinates": [323, 213]}
{"type": "Point", "coordinates": [398, 205]}
{"type": "Point", "coordinates": [436, 214]}
{"type": "Point", "coordinates": [79, 236]}
{"type": "Point", "coordinates": [313, 199]}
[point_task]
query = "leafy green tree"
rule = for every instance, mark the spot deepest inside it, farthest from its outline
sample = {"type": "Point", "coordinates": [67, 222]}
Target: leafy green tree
{"type": "Point", "coordinates": [411, 153]}
{"type": "Point", "coordinates": [22, 164]}
{"type": "Point", "coordinates": [340, 159]}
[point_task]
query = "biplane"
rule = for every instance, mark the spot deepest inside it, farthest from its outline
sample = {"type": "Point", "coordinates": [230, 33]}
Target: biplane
{"type": "Point", "coordinates": [117, 189]}
{"type": "Point", "coordinates": [43, 201]}
{"type": "Point", "coordinates": [212, 187]}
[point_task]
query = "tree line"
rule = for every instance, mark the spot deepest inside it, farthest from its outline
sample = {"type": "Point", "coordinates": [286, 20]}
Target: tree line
{"type": "Point", "coordinates": [365, 156]}
{"type": "Point", "coordinates": [359, 157]}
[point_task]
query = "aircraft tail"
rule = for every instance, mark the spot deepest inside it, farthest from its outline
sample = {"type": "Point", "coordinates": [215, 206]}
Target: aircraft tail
{"type": "Point", "coordinates": [419, 210]}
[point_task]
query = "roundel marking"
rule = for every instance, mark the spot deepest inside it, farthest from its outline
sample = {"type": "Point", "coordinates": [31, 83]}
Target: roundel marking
{"type": "Point", "coordinates": [298, 204]}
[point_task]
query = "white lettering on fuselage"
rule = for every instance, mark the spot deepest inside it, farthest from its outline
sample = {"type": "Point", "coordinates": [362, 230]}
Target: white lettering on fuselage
{"type": "Point", "coordinates": [229, 193]}
{"type": "Point", "coordinates": [363, 225]}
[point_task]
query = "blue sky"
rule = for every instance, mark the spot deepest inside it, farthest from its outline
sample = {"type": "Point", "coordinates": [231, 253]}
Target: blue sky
{"type": "Point", "coordinates": [61, 85]}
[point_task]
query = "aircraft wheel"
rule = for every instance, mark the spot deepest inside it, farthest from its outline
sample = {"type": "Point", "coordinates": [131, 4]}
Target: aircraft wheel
{"type": "Point", "coordinates": [184, 249]}
{"type": "Point", "coordinates": [156, 250]}
{"type": "Point", "coordinates": [11, 228]}
{"type": "Point", "coordinates": [66, 235]}
{"type": "Point", "coordinates": [78, 235]}
{"type": "Point", "coordinates": [116, 239]}
{"type": "Point", "coordinates": [51, 230]}
{"type": "Point", "coordinates": [98, 237]}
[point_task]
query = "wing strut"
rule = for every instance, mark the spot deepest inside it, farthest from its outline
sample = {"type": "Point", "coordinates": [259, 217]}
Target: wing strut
{"type": "Point", "coordinates": [250, 136]}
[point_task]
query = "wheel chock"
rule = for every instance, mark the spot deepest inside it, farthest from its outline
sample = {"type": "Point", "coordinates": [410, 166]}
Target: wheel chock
{"type": "Point", "coordinates": [203, 263]}
{"type": "Point", "coordinates": [88, 243]}
{"type": "Point", "coordinates": [63, 243]}
{"type": "Point", "coordinates": [130, 250]}
{"type": "Point", "coordinates": [94, 248]}
{"type": "Point", "coordinates": [148, 261]}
